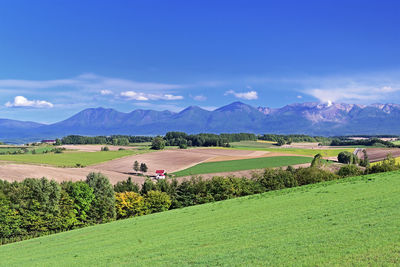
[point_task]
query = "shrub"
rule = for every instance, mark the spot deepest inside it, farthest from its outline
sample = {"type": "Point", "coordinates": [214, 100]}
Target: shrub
{"type": "Point", "coordinates": [105, 148]}
{"type": "Point", "coordinates": [317, 161]}
{"type": "Point", "coordinates": [313, 175]}
{"type": "Point", "coordinates": [129, 204]}
{"type": "Point", "coordinates": [157, 201]}
{"type": "Point", "coordinates": [387, 165]}
{"type": "Point", "coordinates": [349, 170]}
{"type": "Point", "coordinates": [273, 179]}
{"type": "Point", "coordinates": [126, 186]}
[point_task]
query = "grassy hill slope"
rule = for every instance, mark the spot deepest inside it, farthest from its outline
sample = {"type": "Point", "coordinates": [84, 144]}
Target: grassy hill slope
{"type": "Point", "coordinates": [349, 222]}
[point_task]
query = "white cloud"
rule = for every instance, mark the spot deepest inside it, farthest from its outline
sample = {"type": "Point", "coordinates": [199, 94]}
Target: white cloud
{"type": "Point", "coordinates": [199, 98]}
{"type": "Point", "coordinates": [89, 81]}
{"type": "Point", "coordinates": [353, 93]}
{"type": "Point", "coordinates": [251, 95]}
{"type": "Point", "coordinates": [132, 95]}
{"type": "Point", "coordinates": [299, 96]}
{"type": "Point", "coordinates": [20, 101]}
{"type": "Point", "coordinates": [106, 92]}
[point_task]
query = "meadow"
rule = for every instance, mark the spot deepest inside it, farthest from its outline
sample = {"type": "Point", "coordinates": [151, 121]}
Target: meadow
{"type": "Point", "coordinates": [38, 149]}
{"type": "Point", "coordinates": [69, 158]}
{"type": "Point", "coordinates": [242, 164]}
{"type": "Point", "coordinates": [257, 146]}
{"type": "Point", "coordinates": [348, 222]}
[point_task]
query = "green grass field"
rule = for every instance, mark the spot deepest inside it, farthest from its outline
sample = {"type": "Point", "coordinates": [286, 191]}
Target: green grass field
{"type": "Point", "coordinates": [38, 149]}
{"type": "Point", "coordinates": [70, 159]}
{"type": "Point", "coordinates": [257, 146]}
{"type": "Point", "coordinates": [242, 164]}
{"type": "Point", "coordinates": [349, 222]}
{"type": "Point", "coordinates": [253, 144]}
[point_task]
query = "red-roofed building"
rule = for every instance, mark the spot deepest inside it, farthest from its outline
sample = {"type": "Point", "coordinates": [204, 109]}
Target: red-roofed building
{"type": "Point", "coordinates": [160, 174]}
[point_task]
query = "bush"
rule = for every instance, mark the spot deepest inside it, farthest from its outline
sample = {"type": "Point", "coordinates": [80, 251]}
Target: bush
{"type": "Point", "coordinates": [387, 165]}
{"type": "Point", "coordinates": [313, 175]}
{"type": "Point", "coordinates": [126, 186]}
{"type": "Point", "coordinates": [105, 148]}
{"type": "Point", "coordinates": [157, 201]}
{"type": "Point", "coordinates": [274, 179]}
{"type": "Point", "coordinates": [129, 204]}
{"type": "Point", "coordinates": [349, 170]}
{"type": "Point", "coordinates": [317, 161]}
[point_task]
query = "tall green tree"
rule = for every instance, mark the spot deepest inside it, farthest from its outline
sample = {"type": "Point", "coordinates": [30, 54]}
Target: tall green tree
{"type": "Point", "coordinates": [136, 166]}
{"type": "Point", "coordinates": [143, 167]}
{"type": "Point", "coordinates": [103, 206]}
{"type": "Point", "coordinates": [158, 143]}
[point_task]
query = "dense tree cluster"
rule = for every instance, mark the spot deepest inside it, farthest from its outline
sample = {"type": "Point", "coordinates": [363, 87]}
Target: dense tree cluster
{"type": "Point", "coordinates": [362, 142]}
{"type": "Point", "coordinates": [118, 140]}
{"type": "Point", "coordinates": [183, 140]}
{"type": "Point", "coordinates": [297, 138]}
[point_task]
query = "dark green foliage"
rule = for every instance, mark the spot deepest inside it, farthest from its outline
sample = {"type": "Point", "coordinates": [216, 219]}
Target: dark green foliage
{"type": "Point", "coordinates": [376, 142]}
{"type": "Point", "coordinates": [103, 205]}
{"type": "Point", "coordinates": [83, 196]}
{"type": "Point", "coordinates": [143, 167]}
{"type": "Point", "coordinates": [183, 140]}
{"type": "Point", "coordinates": [297, 138]}
{"type": "Point", "coordinates": [317, 161]}
{"type": "Point", "coordinates": [147, 186]}
{"type": "Point", "coordinates": [275, 179]}
{"type": "Point", "coordinates": [313, 175]}
{"type": "Point", "coordinates": [346, 157]}
{"type": "Point", "coordinates": [120, 140]}
{"type": "Point", "coordinates": [105, 148]}
{"type": "Point", "coordinates": [126, 186]}
{"type": "Point", "coordinates": [158, 143]}
{"type": "Point", "coordinates": [350, 170]}
{"type": "Point", "coordinates": [136, 166]}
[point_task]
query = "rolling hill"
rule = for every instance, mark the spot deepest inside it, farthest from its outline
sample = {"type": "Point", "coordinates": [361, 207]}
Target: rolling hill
{"type": "Point", "coordinates": [349, 222]}
{"type": "Point", "coordinates": [300, 118]}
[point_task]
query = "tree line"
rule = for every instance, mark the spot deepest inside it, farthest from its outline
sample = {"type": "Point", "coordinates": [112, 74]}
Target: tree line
{"type": "Point", "coordinates": [296, 138]}
{"type": "Point", "coordinates": [118, 140]}
{"type": "Point", "coordinates": [183, 140]}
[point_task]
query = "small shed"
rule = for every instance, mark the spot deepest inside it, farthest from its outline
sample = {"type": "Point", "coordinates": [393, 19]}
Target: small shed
{"type": "Point", "coordinates": [160, 174]}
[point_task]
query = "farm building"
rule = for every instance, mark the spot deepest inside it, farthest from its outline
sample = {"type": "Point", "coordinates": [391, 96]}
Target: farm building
{"type": "Point", "coordinates": [160, 174]}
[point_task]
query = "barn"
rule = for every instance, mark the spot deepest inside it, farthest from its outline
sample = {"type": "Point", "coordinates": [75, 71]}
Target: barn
{"type": "Point", "coordinates": [160, 174]}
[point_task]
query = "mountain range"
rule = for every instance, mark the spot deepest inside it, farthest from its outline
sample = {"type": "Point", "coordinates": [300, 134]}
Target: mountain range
{"type": "Point", "coordinates": [299, 118]}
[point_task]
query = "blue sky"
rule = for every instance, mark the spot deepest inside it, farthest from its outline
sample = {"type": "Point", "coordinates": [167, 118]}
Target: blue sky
{"type": "Point", "coordinates": [59, 57]}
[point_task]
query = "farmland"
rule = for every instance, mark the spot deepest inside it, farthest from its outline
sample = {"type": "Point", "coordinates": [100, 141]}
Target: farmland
{"type": "Point", "coordinates": [257, 146]}
{"type": "Point", "coordinates": [68, 159]}
{"type": "Point", "coordinates": [353, 221]}
{"type": "Point", "coordinates": [243, 164]}
{"type": "Point", "coordinates": [117, 164]}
